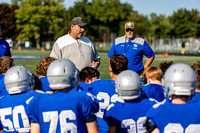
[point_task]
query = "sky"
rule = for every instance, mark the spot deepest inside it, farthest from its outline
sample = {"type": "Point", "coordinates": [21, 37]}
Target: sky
{"type": "Point", "coordinates": [146, 7]}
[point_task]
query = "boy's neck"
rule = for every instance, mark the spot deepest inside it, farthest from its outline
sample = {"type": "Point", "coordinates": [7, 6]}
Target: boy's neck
{"type": "Point", "coordinates": [155, 82]}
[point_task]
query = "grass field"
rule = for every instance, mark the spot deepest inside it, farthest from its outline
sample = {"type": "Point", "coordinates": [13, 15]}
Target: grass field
{"type": "Point", "coordinates": [103, 68]}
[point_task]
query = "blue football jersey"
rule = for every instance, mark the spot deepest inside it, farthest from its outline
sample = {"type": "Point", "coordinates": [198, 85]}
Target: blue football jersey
{"type": "Point", "coordinates": [154, 91]}
{"type": "Point", "coordinates": [62, 111]}
{"type": "Point", "coordinates": [176, 118]}
{"type": "Point", "coordinates": [45, 84]}
{"type": "Point", "coordinates": [129, 116]}
{"type": "Point", "coordinates": [104, 91]}
{"type": "Point", "coordinates": [3, 90]}
{"type": "Point", "coordinates": [4, 48]}
{"type": "Point", "coordinates": [13, 112]}
{"type": "Point", "coordinates": [196, 97]}
{"type": "Point", "coordinates": [83, 87]}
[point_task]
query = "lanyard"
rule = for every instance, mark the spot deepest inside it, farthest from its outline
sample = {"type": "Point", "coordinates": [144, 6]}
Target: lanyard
{"type": "Point", "coordinates": [125, 50]}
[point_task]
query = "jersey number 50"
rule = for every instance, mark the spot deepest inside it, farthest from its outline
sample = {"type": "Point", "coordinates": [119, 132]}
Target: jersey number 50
{"type": "Point", "coordinates": [12, 125]}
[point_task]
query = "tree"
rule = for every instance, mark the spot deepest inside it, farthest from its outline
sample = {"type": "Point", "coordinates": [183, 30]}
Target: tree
{"type": "Point", "coordinates": [159, 26]}
{"type": "Point", "coordinates": [40, 20]}
{"type": "Point", "coordinates": [103, 17]}
{"type": "Point", "coordinates": [185, 22]}
{"type": "Point", "coordinates": [8, 21]}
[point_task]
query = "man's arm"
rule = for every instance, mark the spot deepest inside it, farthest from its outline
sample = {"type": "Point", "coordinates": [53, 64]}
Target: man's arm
{"type": "Point", "coordinates": [148, 62]}
{"type": "Point", "coordinates": [35, 128]}
{"type": "Point", "coordinates": [92, 127]}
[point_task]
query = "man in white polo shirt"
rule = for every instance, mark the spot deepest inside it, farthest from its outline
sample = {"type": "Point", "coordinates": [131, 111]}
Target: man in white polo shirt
{"type": "Point", "coordinates": [76, 47]}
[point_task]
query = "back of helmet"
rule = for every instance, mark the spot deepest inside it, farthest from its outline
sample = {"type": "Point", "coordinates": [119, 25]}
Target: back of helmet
{"type": "Point", "coordinates": [18, 79]}
{"type": "Point", "coordinates": [128, 85]}
{"type": "Point", "coordinates": [62, 73]}
{"type": "Point", "coordinates": [180, 80]}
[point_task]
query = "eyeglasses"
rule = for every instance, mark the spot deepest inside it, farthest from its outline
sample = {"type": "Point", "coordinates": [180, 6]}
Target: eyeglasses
{"type": "Point", "coordinates": [129, 29]}
{"type": "Point", "coordinates": [83, 27]}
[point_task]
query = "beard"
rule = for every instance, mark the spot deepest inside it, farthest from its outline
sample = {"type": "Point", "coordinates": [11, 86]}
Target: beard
{"type": "Point", "coordinates": [130, 36]}
{"type": "Point", "coordinates": [79, 35]}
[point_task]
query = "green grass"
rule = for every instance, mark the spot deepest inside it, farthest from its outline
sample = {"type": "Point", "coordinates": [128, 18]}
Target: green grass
{"type": "Point", "coordinates": [30, 52]}
{"type": "Point", "coordinates": [103, 68]}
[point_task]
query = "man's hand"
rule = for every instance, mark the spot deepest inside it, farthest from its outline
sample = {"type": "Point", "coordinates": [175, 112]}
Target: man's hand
{"type": "Point", "coordinates": [94, 64]}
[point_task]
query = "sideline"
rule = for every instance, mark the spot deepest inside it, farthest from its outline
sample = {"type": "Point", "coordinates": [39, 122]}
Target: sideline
{"type": "Point", "coordinates": [27, 57]}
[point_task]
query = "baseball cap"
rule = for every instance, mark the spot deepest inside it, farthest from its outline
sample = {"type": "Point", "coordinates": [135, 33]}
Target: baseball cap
{"type": "Point", "coordinates": [130, 25]}
{"type": "Point", "coordinates": [78, 21]}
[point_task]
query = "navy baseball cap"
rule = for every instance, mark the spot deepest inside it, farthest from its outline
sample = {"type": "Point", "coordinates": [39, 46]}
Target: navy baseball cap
{"type": "Point", "coordinates": [78, 21]}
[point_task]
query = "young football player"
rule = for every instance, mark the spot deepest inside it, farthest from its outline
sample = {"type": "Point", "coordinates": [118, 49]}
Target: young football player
{"type": "Point", "coordinates": [87, 75]}
{"type": "Point", "coordinates": [6, 62]}
{"type": "Point", "coordinates": [104, 90]}
{"type": "Point", "coordinates": [128, 116]}
{"type": "Point", "coordinates": [41, 71]}
{"type": "Point", "coordinates": [18, 81]}
{"type": "Point", "coordinates": [176, 115]}
{"type": "Point", "coordinates": [153, 87]}
{"type": "Point", "coordinates": [196, 97]}
{"type": "Point", "coordinates": [66, 110]}
{"type": "Point", "coordinates": [164, 65]}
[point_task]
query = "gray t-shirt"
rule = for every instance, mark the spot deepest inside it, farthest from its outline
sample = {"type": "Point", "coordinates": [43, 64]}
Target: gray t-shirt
{"type": "Point", "coordinates": [81, 52]}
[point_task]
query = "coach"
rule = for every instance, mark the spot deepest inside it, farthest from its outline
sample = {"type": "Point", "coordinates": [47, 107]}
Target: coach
{"type": "Point", "coordinates": [133, 48]}
{"type": "Point", "coordinates": [76, 47]}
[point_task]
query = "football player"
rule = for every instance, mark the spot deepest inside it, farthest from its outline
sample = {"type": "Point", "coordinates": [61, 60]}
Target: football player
{"type": "Point", "coordinates": [153, 87]}
{"type": "Point", "coordinates": [66, 110]}
{"type": "Point", "coordinates": [18, 81]}
{"type": "Point", "coordinates": [175, 115]}
{"type": "Point", "coordinates": [130, 115]}
{"type": "Point", "coordinates": [196, 68]}
{"type": "Point", "coordinates": [6, 62]}
{"type": "Point", "coordinates": [87, 75]}
{"type": "Point", "coordinates": [41, 70]}
{"type": "Point", "coordinates": [104, 90]}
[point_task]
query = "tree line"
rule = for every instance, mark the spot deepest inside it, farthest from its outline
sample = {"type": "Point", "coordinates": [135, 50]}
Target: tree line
{"type": "Point", "coordinates": [46, 20]}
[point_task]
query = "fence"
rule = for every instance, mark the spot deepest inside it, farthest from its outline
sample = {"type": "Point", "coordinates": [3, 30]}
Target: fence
{"type": "Point", "coordinates": [171, 46]}
{"type": "Point", "coordinates": [192, 45]}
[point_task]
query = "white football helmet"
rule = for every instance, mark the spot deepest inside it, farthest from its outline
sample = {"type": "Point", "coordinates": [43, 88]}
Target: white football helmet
{"type": "Point", "coordinates": [62, 73]}
{"type": "Point", "coordinates": [18, 79]}
{"type": "Point", "coordinates": [179, 79]}
{"type": "Point", "coordinates": [128, 85]}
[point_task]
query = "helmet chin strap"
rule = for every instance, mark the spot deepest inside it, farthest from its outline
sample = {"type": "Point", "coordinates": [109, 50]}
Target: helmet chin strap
{"type": "Point", "coordinates": [167, 94]}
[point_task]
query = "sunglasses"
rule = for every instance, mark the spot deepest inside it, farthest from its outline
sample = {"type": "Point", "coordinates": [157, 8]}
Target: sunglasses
{"type": "Point", "coordinates": [128, 29]}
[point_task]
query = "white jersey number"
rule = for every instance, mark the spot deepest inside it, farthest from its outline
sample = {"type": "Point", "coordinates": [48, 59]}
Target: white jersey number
{"type": "Point", "coordinates": [16, 112]}
{"type": "Point", "coordinates": [106, 101]}
{"type": "Point", "coordinates": [177, 128]}
{"type": "Point", "coordinates": [133, 127]}
{"type": "Point", "coordinates": [64, 126]}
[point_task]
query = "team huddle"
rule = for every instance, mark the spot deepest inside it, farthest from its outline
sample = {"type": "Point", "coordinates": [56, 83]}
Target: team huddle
{"type": "Point", "coordinates": [66, 100]}
{"type": "Point", "coordinates": [67, 96]}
